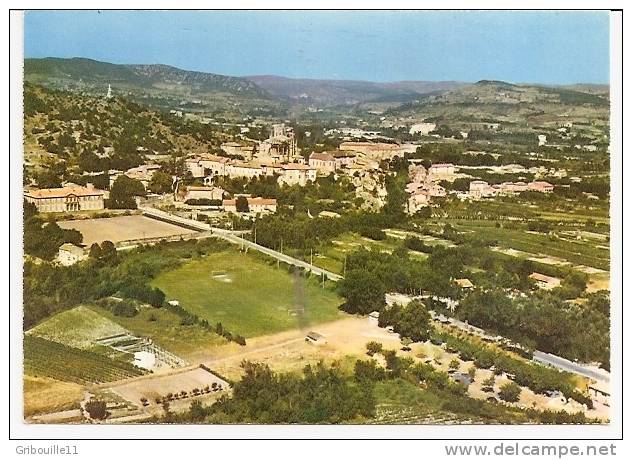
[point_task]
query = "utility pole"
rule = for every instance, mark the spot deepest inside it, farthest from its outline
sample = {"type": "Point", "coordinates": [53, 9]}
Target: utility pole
{"type": "Point", "coordinates": [344, 266]}
{"type": "Point", "coordinates": [311, 257]}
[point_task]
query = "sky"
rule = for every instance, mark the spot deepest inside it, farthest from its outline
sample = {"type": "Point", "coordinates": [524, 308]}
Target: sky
{"type": "Point", "coordinates": [520, 47]}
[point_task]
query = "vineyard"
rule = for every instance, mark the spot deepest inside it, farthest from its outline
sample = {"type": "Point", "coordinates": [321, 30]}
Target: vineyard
{"type": "Point", "coordinates": [46, 358]}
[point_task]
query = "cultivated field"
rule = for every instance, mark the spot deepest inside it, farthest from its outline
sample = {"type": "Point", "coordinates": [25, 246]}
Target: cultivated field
{"type": "Point", "coordinates": [248, 296]}
{"type": "Point", "coordinates": [43, 358]}
{"type": "Point", "coordinates": [123, 228]}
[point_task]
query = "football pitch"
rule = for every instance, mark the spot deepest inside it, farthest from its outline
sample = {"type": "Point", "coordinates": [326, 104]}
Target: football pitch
{"type": "Point", "coordinates": [248, 296]}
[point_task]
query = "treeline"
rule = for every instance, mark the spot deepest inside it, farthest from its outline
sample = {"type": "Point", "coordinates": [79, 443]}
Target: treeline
{"type": "Point", "coordinates": [320, 395]}
{"type": "Point", "coordinates": [42, 239]}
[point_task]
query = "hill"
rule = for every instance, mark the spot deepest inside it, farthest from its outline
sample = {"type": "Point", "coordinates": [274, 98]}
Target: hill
{"type": "Point", "coordinates": [157, 84]}
{"type": "Point", "coordinates": [347, 92]}
{"type": "Point", "coordinates": [63, 125]}
{"type": "Point", "coordinates": [519, 104]}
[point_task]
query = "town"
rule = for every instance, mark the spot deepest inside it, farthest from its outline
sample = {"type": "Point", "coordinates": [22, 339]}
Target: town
{"type": "Point", "coordinates": [438, 258]}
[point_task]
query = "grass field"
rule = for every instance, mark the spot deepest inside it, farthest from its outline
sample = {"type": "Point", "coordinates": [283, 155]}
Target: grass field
{"type": "Point", "coordinates": [44, 358]}
{"type": "Point", "coordinates": [248, 296]}
{"type": "Point", "coordinates": [43, 395]}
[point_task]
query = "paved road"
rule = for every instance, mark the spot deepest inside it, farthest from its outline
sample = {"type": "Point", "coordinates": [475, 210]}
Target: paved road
{"type": "Point", "coordinates": [230, 236]}
{"type": "Point", "coordinates": [571, 367]}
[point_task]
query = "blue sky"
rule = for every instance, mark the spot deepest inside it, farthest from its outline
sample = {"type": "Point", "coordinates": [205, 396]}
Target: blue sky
{"type": "Point", "coordinates": [536, 47]}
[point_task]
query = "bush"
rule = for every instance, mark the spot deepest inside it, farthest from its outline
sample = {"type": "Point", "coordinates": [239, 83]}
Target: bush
{"type": "Point", "coordinates": [96, 409]}
{"type": "Point", "coordinates": [510, 392]}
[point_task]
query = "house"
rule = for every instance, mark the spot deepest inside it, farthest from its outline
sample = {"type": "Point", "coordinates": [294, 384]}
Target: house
{"type": "Point", "coordinates": [464, 283]}
{"type": "Point", "coordinates": [315, 338]}
{"type": "Point", "coordinates": [143, 173]}
{"type": "Point", "coordinates": [480, 189]}
{"type": "Point", "coordinates": [255, 205]}
{"type": "Point", "coordinates": [545, 282]}
{"type": "Point", "coordinates": [243, 169]}
{"type": "Point", "coordinates": [297, 174]}
{"type": "Point", "coordinates": [324, 163]}
{"type": "Point", "coordinates": [69, 254]}
{"type": "Point", "coordinates": [344, 159]}
{"type": "Point", "coordinates": [204, 192]}
{"type": "Point", "coordinates": [214, 165]}
{"type": "Point", "coordinates": [66, 199]}
{"type": "Point", "coordinates": [422, 128]}
{"type": "Point", "coordinates": [194, 166]}
{"type": "Point", "coordinates": [441, 171]}
{"type": "Point", "coordinates": [236, 149]}
{"type": "Point", "coordinates": [542, 187]}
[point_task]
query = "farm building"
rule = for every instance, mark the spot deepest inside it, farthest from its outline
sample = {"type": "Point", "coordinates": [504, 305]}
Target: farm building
{"type": "Point", "coordinates": [315, 338]}
{"type": "Point", "coordinates": [439, 171]}
{"type": "Point", "coordinates": [542, 187]}
{"type": "Point", "coordinates": [464, 283]}
{"type": "Point", "coordinates": [545, 282]}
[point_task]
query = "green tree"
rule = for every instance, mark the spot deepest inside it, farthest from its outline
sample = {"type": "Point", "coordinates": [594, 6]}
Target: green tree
{"type": "Point", "coordinates": [242, 204]}
{"type": "Point", "coordinates": [123, 192]}
{"type": "Point", "coordinates": [160, 183]}
{"type": "Point", "coordinates": [95, 251]}
{"type": "Point", "coordinates": [414, 322]}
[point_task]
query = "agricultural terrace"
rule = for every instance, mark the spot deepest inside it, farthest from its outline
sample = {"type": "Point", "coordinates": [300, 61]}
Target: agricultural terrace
{"type": "Point", "coordinates": [247, 295]}
{"type": "Point", "coordinates": [562, 250]}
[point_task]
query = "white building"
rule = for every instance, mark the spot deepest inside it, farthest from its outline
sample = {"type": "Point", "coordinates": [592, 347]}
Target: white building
{"type": "Point", "coordinates": [255, 205]}
{"type": "Point", "coordinates": [422, 128]}
{"type": "Point", "coordinates": [324, 163]}
{"type": "Point", "coordinates": [297, 174]}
